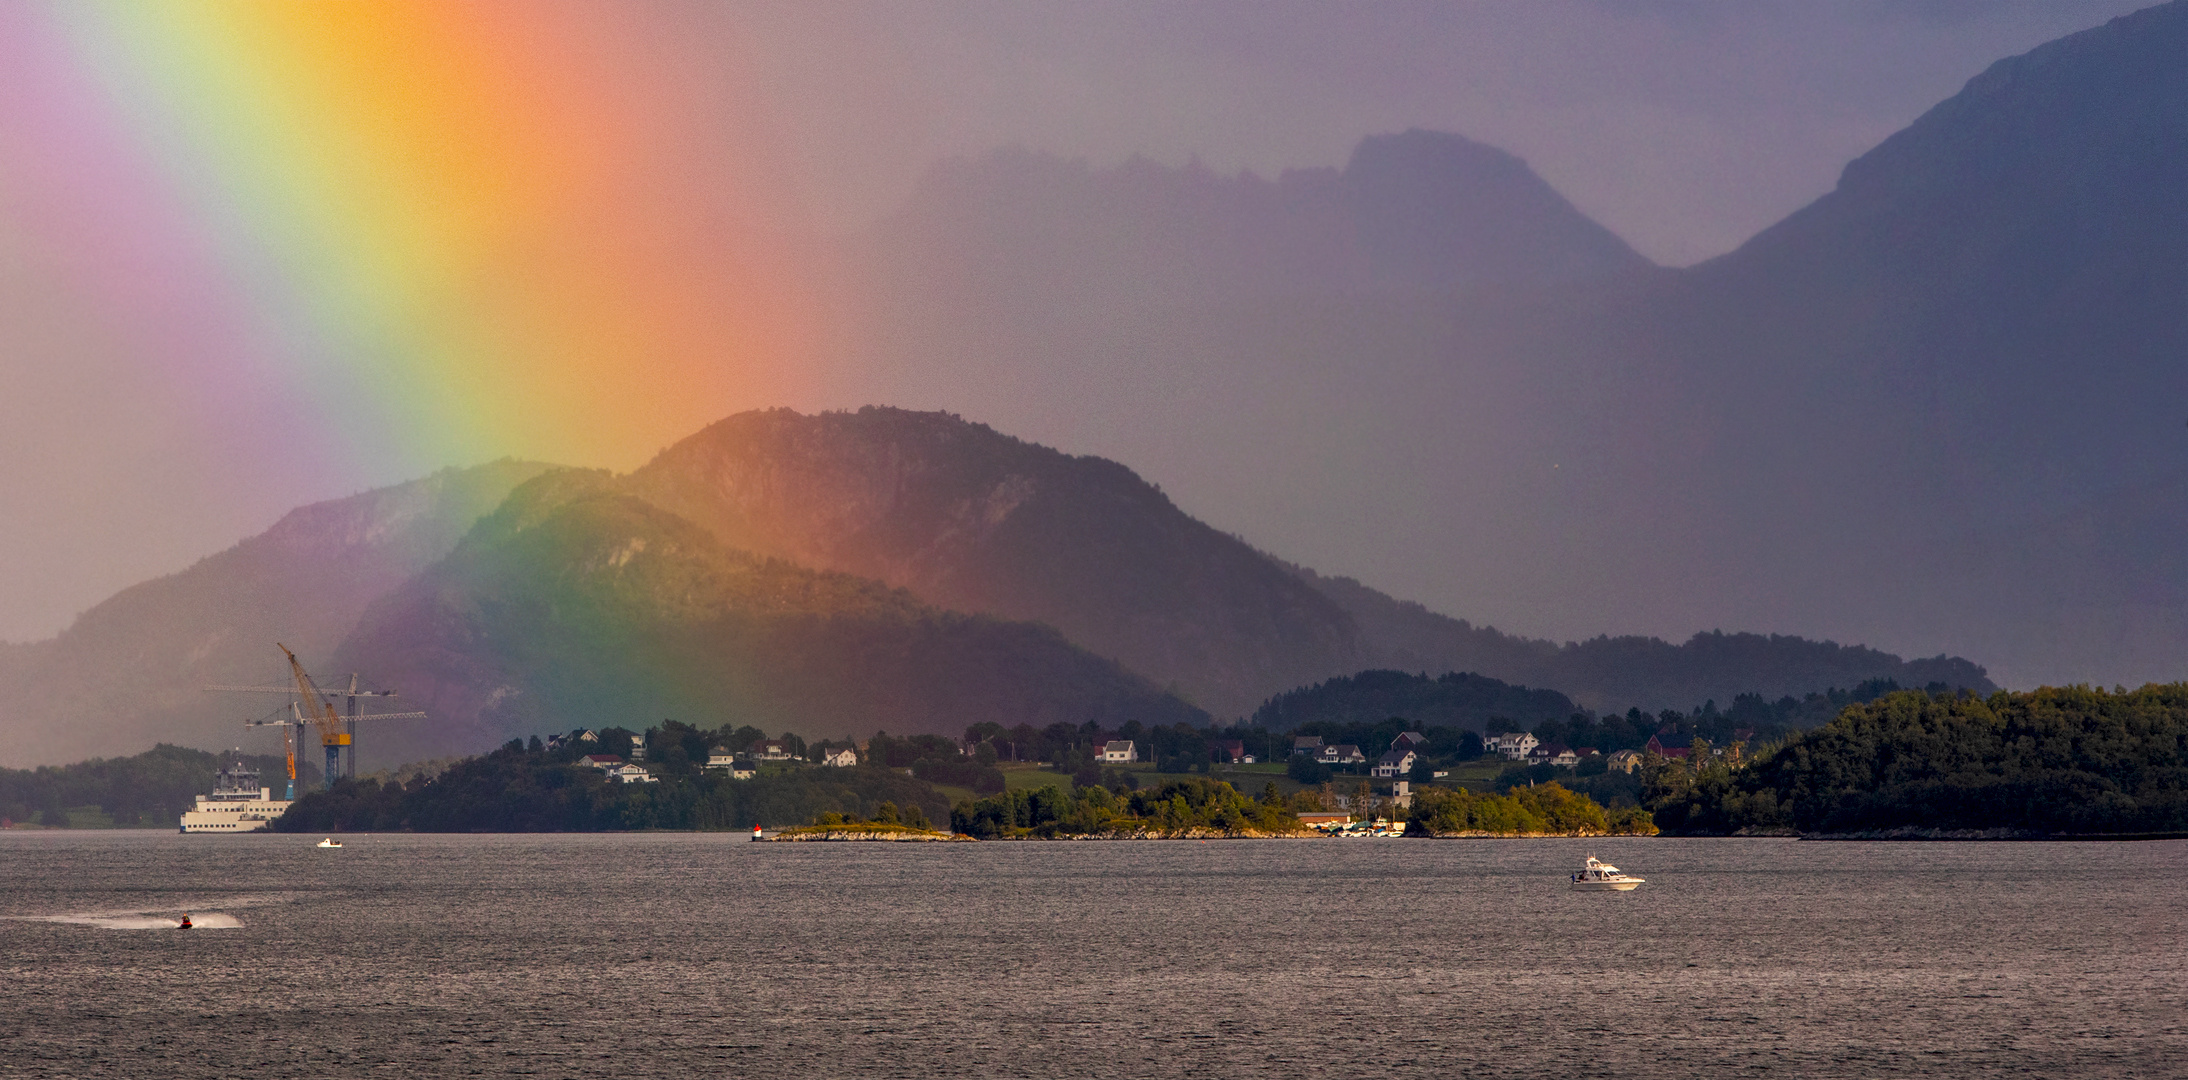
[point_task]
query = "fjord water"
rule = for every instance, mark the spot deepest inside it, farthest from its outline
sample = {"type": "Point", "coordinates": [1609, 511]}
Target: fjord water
{"type": "Point", "coordinates": [683, 955]}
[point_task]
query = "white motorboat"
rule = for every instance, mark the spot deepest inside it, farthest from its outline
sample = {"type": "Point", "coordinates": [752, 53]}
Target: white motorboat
{"type": "Point", "coordinates": [330, 842]}
{"type": "Point", "coordinates": [1600, 876]}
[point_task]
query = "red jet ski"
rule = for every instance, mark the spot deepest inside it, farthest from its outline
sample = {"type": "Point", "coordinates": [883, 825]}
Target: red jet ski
{"type": "Point", "coordinates": [185, 924]}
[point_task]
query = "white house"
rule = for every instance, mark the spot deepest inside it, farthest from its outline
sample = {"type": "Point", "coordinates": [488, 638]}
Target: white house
{"type": "Point", "coordinates": [1341, 754]}
{"type": "Point", "coordinates": [721, 759]}
{"type": "Point", "coordinates": [1118, 750]}
{"type": "Point", "coordinates": [632, 774]}
{"type": "Point", "coordinates": [581, 735]}
{"type": "Point", "coordinates": [841, 759]}
{"type": "Point", "coordinates": [771, 750]}
{"type": "Point", "coordinates": [743, 770]}
{"type": "Point", "coordinates": [1514, 746]}
{"type": "Point", "coordinates": [1626, 761]}
{"type": "Point", "coordinates": [1396, 763]}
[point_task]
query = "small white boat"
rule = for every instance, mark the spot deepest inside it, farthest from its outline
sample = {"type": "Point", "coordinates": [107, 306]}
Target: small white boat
{"type": "Point", "coordinates": [1600, 876]}
{"type": "Point", "coordinates": [330, 842]}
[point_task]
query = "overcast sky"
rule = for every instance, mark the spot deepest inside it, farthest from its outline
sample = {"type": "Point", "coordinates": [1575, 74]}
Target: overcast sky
{"type": "Point", "coordinates": [1684, 127]}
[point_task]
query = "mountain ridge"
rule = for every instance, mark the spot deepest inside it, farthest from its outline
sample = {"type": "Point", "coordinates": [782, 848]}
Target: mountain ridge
{"type": "Point", "coordinates": [580, 604]}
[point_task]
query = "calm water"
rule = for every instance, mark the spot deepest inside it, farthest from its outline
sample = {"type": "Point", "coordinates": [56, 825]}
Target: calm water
{"type": "Point", "coordinates": [706, 955]}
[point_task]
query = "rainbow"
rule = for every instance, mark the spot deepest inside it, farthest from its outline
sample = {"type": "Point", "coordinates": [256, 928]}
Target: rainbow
{"type": "Point", "coordinates": [427, 233]}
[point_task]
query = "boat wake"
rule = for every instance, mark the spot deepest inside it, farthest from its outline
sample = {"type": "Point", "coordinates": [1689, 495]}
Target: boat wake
{"type": "Point", "coordinates": [203, 916]}
{"type": "Point", "coordinates": [199, 920]}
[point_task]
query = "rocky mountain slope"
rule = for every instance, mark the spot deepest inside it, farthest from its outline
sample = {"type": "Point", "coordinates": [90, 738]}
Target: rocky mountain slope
{"type": "Point", "coordinates": [976, 521]}
{"type": "Point", "coordinates": [577, 604]}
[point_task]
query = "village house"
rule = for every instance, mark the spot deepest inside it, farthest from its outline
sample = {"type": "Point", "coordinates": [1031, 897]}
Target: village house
{"type": "Point", "coordinates": [632, 774]}
{"type": "Point", "coordinates": [1513, 746]}
{"type": "Point", "coordinates": [771, 750]}
{"type": "Point", "coordinates": [1661, 749]}
{"type": "Point", "coordinates": [1625, 761]}
{"type": "Point", "coordinates": [1554, 753]}
{"type": "Point", "coordinates": [1117, 751]}
{"type": "Point", "coordinates": [719, 759]}
{"type": "Point", "coordinates": [1321, 819]}
{"type": "Point", "coordinates": [1306, 744]}
{"type": "Point", "coordinates": [581, 735]}
{"type": "Point", "coordinates": [1341, 754]}
{"type": "Point", "coordinates": [1398, 762]}
{"type": "Point", "coordinates": [743, 770]}
{"type": "Point", "coordinates": [1232, 751]}
{"type": "Point", "coordinates": [600, 761]}
{"type": "Point", "coordinates": [1410, 740]}
{"type": "Point", "coordinates": [1401, 795]}
{"type": "Point", "coordinates": [840, 759]}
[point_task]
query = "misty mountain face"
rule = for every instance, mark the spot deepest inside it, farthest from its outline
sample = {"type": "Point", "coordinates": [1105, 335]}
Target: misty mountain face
{"type": "Point", "coordinates": [578, 604]}
{"type": "Point", "coordinates": [1418, 210]}
{"type": "Point", "coordinates": [1437, 210]}
{"type": "Point", "coordinates": [1938, 410]}
{"type": "Point", "coordinates": [979, 522]}
{"type": "Point", "coordinates": [127, 673]}
{"type": "Point", "coordinates": [1969, 357]}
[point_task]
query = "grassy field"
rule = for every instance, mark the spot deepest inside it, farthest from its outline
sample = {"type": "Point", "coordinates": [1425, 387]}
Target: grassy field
{"type": "Point", "coordinates": [1020, 776]}
{"type": "Point", "coordinates": [1478, 775]}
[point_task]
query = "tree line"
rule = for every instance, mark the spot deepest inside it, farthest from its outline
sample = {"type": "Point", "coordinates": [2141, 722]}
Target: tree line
{"type": "Point", "coordinates": [148, 789]}
{"type": "Point", "coordinates": [2062, 761]}
{"type": "Point", "coordinates": [530, 787]}
{"type": "Point", "coordinates": [1186, 804]}
{"type": "Point", "coordinates": [1546, 809]}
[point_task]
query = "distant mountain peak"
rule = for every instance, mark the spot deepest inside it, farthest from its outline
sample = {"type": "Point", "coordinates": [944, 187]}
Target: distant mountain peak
{"type": "Point", "coordinates": [1413, 210]}
{"type": "Point", "coordinates": [1441, 209]}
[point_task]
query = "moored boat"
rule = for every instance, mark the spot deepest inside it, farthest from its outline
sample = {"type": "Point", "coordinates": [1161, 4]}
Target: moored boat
{"type": "Point", "coordinates": [329, 842]}
{"type": "Point", "coordinates": [1600, 876]}
{"type": "Point", "coordinates": [237, 805]}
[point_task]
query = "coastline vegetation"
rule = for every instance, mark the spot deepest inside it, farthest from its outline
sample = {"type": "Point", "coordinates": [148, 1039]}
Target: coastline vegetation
{"type": "Point", "coordinates": [2058, 761]}
{"type": "Point", "coordinates": [531, 788]}
{"type": "Point", "coordinates": [1187, 806]}
{"type": "Point", "coordinates": [1544, 810]}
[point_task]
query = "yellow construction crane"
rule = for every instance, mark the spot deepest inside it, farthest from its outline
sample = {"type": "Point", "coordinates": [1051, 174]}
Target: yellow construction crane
{"type": "Point", "coordinates": [324, 719]}
{"type": "Point", "coordinates": [335, 731]}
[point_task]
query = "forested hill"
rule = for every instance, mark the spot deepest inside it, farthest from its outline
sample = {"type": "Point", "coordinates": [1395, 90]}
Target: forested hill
{"type": "Point", "coordinates": [1613, 674]}
{"type": "Point", "coordinates": [574, 602]}
{"type": "Point", "coordinates": [1453, 700]}
{"type": "Point", "coordinates": [2072, 761]}
{"type": "Point", "coordinates": [148, 789]}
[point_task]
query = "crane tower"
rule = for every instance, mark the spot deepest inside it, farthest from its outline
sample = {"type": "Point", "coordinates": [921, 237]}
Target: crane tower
{"type": "Point", "coordinates": [314, 707]}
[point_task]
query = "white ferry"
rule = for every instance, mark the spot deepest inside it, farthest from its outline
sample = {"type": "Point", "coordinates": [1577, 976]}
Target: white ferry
{"type": "Point", "coordinates": [237, 805]}
{"type": "Point", "coordinates": [1600, 876]}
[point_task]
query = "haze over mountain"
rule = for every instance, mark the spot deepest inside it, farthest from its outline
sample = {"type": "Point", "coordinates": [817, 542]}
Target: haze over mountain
{"type": "Point", "coordinates": [130, 671]}
{"type": "Point", "coordinates": [1936, 410]}
{"type": "Point", "coordinates": [1024, 231]}
{"type": "Point", "coordinates": [828, 574]}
